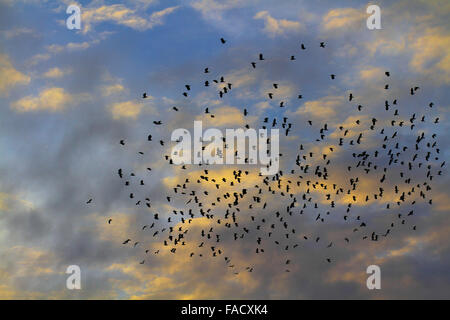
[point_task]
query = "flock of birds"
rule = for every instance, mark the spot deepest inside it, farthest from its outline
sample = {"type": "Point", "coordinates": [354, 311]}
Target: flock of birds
{"type": "Point", "coordinates": [241, 210]}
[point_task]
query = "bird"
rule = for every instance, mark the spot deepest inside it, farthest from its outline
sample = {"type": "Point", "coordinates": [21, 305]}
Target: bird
{"type": "Point", "coordinates": [259, 209]}
{"type": "Point", "coordinates": [222, 40]}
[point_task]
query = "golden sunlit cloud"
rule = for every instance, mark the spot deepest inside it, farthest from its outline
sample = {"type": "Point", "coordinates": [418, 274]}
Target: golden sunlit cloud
{"type": "Point", "coordinates": [9, 76]}
{"type": "Point", "coordinates": [126, 109]}
{"type": "Point", "coordinates": [323, 108]}
{"type": "Point", "coordinates": [342, 18]}
{"type": "Point", "coordinates": [432, 54]}
{"type": "Point", "coordinates": [51, 99]}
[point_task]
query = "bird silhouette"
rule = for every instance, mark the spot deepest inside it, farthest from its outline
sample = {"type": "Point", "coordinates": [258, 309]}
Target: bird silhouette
{"type": "Point", "coordinates": [324, 178]}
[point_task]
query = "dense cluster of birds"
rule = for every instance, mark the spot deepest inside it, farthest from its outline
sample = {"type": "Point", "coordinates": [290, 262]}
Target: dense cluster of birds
{"type": "Point", "coordinates": [242, 210]}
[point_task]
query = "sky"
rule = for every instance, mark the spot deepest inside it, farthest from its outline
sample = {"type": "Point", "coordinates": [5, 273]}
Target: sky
{"type": "Point", "coordinates": [67, 97]}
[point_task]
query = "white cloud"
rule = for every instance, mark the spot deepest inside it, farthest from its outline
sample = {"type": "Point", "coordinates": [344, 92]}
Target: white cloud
{"type": "Point", "coordinates": [17, 32]}
{"type": "Point", "coordinates": [112, 89]}
{"type": "Point", "coordinates": [212, 9]}
{"type": "Point", "coordinates": [274, 27]}
{"type": "Point", "coordinates": [122, 15]}
{"type": "Point", "coordinates": [56, 73]}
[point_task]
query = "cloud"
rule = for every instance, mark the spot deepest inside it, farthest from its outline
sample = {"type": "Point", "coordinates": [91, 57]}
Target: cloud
{"type": "Point", "coordinates": [212, 9]}
{"type": "Point", "coordinates": [54, 49]}
{"type": "Point", "coordinates": [17, 32]}
{"type": "Point", "coordinates": [386, 46]}
{"type": "Point", "coordinates": [112, 89]}
{"type": "Point", "coordinates": [263, 105]}
{"type": "Point", "coordinates": [10, 201]}
{"type": "Point", "coordinates": [323, 108]}
{"type": "Point", "coordinates": [342, 18]}
{"type": "Point", "coordinates": [9, 76]}
{"type": "Point", "coordinates": [56, 72]}
{"type": "Point", "coordinates": [285, 91]}
{"type": "Point", "coordinates": [156, 18]}
{"type": "Point", "coordinates": [37, 58]}
{"type": "Point", "coordinates": [3, 205]}
{"type": "Point", "coordinates": [122, 15]}
{"type": "Point", "coordinates": [51, 99]}
{"type": "Point", "coordinates": [371, 73]}
{"type": "Point", "coordinates": [431, 53]}
{"type": "Point", "coordinates": [274, 27]}
{"type": "Point", "coordinates": [71, 46]}
{"type": "Point", "coordinates": [224, 116]}
{"type": "Point", "coordinates": [126, 109]}
{"type": "Point", "coordinates": [121, 225]}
